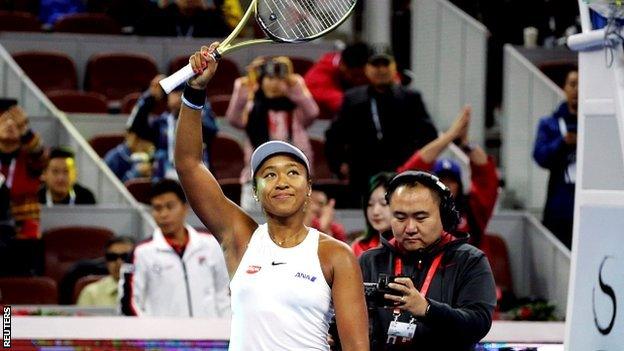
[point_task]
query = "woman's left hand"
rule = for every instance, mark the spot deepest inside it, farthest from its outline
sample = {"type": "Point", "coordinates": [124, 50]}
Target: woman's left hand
{"type": "Point", "coordinates": [410, 299]}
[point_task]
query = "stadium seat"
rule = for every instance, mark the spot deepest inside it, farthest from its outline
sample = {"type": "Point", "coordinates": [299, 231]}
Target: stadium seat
{"type": "Point", "coordinates": [82, 283]}
{"type": "Point", "coordinates": [16, 21]}
{"type": "Point", "coordinates": [140, 188]}
{"type": "Point", "coordinates": [557, 70]}
{"type": "Point", "coordinates": [88, 23]}
{"type": "Point", "coordinates": [28, 291]}
{"type": "Point", "coordinates": [128, 102]}
{"type": "Point", "coordinates": [37, 65]}
{"type": "Point", "coordinates": [232, 189]}
{"type": "Point", "coordinates": [226, 157]}
{"type": "Point", "coordinates": [320, 168]}
{"type": "Point", "coordinates": [103, 142]}
{"type": "Point", "coordinates": [301, 65]}
{"type": "Point", "coordinates": [496, 251]}
{"type": "Point", "coordinates": [219, 104]}
{"type": "Point", "coordinates": [223, 80]}
{"type": "Point", "coordinates": [116, 75]}
{"type": "Point", "coordinates": [74, 101]}
{"type": "Point", "coordinates": [67, 245]}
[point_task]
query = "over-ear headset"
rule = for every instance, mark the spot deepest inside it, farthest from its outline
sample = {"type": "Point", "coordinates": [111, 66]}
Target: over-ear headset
{"type": "Point", "coordinates": [448, 214]}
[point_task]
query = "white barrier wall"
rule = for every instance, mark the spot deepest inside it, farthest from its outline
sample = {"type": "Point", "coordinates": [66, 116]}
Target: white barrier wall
{"type": "Point", "coordinates": [528, 95]}
{"type": "Point", "coordinates": [597, 282]}
{"type": "Point", "coordinates": [449, 58]}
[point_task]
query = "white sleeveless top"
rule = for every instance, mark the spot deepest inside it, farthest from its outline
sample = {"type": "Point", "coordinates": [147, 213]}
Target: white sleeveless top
{"type": "Point", "coordinates": [280, 299]}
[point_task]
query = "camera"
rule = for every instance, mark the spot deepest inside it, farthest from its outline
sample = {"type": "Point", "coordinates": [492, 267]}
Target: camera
{"type": "Point", "coordinates": [374, 292]}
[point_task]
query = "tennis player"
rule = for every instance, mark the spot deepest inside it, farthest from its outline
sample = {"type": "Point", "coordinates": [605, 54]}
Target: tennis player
{"type": "Point", "coordinates": [288, 279]}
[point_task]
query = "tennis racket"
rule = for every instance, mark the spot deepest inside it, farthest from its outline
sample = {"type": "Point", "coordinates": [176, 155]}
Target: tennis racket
{"type": "Point", "coordinates": [283, 21]}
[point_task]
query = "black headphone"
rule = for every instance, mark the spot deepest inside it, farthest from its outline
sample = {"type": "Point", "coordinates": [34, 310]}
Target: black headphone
{"type": "Point", "coordinates": [448, 214]}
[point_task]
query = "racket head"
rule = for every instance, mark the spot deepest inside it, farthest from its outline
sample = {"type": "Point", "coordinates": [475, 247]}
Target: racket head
{"type": "Point", "coordinates": [295, 21]}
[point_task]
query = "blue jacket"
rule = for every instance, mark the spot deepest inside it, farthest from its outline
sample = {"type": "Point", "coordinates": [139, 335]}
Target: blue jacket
{"type": "Point", "coordinates": [552, 153]}
{"type": "Point", "coordinates": [118, 160]}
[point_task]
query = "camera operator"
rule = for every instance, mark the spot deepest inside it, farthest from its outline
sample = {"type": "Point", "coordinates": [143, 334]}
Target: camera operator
{"type": "Point", "coordinates": [443, 295]}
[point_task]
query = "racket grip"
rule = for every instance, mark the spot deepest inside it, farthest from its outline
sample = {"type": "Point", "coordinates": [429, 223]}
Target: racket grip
{"type": "Point", "coordinates": [179, 77]}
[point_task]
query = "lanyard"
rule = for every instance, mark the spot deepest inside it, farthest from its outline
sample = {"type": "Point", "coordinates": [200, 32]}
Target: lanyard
{"type": "Point", "coordinates": [10, 174]}
{"type": "Point", "coordinates": [376, 121]}
{"type": "Point", "coordinates": [72, 198]}
{"type": "Point", "coordinates": [398, 268]}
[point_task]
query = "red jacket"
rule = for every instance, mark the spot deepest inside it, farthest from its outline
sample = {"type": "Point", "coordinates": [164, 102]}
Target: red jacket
{"type": "Point", "coordinates": [323, 81]}
{"type": "Point", "coordinates": [482, 194]}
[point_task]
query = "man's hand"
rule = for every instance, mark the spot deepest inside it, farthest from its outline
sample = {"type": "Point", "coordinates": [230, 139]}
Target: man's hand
{"type": "Point", "coordinates": [203, 65]}
{"type": "Point", "coordinates": [154, 89]}
{"type": "Point", "coordinates": [410, 300]}
{"type": "Point", "coordinates": [328, 213]}
{"type": "Point", "coordinates": [459, 128]}
{"type": "Point", "coordinates": [570, 138]}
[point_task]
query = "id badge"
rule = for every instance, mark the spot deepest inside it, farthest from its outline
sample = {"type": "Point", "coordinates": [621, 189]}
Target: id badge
{"type": "Point", "coordinates": [402, 329]}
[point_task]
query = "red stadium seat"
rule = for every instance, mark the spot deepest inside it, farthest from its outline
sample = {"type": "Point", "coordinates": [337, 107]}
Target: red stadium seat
{"type": "Point", "coordinates": [495, 249]}
{"type": "Point", "coordinates": [140, 188]}
{"type": "Point", "coordinates": [37, 65]}
{"type": "Point", "coordinates": [78, 101]}
{"type": "Point", "coordinates": [116, 75]}
{"type": "Point", "coordinates": [28, 291]}
{"type": "Point", "coordinates": [130, 100]}
{"type": "Point", "coordinates": [67, 245]}
{"type": "Point", "coordinates": [88, 23]}
{"type": "Point", "coordinates": [11, 21]}
{"type": "Point", "coordinates": [232, 189]}
{"type": "Point", "coordinates": [301, 65]}
{"type": "Point", "coordinates": [320, 168]}
{"type": "Point", "coordinates": [226, 157]}
{"type": "Point", "coordinates": [219, 104]}
{"type": "Point", "coordinates": [102, 143]}
{"type": "Point", "coordinates": [83, 282]}
{"type": "Point", "coordinates": [223, 80]}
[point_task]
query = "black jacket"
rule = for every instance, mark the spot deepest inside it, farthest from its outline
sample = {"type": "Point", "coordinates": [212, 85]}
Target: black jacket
{"type": "Point", "coordinates": [353, 139]}
{"type": "Point", "coordinates": [461, 295]}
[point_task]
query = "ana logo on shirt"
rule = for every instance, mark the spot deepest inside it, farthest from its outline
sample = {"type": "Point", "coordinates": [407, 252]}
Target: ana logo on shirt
{"type": "Point", "coordinates": [305, 276]}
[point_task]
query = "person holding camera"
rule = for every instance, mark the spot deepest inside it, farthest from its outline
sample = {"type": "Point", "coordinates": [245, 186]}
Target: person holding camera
{"type": "Point", "coordinates": [271, 103]}
{"type": "Point", "coordinates": [431, 289]}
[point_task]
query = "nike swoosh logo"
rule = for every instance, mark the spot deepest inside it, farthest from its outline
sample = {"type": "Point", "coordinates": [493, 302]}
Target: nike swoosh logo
{"type": "Point", "coordinates": [277, 263]}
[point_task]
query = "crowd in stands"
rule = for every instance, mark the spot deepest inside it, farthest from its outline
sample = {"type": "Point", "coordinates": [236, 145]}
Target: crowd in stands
{"type": "Point", "coordinates": [378, 127]}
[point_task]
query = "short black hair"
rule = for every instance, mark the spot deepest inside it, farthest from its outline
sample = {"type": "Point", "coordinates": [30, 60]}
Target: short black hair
{"type": "Point", "coordinates": [167, 186]}
{"type": "Point", "coordinates": [355, 55]}
{"type": "Point", "coordinates": [61, 152]}
{"type": "Point", "coordinates": [6, 104]}
{"type": "Point", "coordinates": [118, 240]}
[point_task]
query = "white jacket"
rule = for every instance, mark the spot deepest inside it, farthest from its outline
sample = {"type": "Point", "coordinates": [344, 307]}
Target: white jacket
{"type": "Point", "coordinates": [194, 285]}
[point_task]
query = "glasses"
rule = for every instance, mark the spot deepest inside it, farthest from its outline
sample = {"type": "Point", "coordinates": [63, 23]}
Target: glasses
{"type": "Point", "coordinates": [111, 257]}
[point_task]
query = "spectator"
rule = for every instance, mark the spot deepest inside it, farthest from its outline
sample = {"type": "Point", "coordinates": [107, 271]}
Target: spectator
{"type": "Point", "coordinates": [184, 18]}
{"type": "Point", "coordinates": [271, 103]}
{"type": "Point", "coordinates": [379, 127]}
{"type": "Point", "coordinates": [161, 128]}
{"type": "Point", "coordinates": [445, 290]}
{"type": "Point", "coordinates": [59, 179]}
{"type": "Point", "coordinates": [475, 207]}
{"type": "Point", "coordinates": [179, 272]}
{"type": "Point", "coordinates": [51, 11]}
{"type": "Point", "coordinates": [376, 212]}
{"type": "Point", "coordinates": [555, 150]}
{"type": "Point", "coordinates": [7, 225]}
{"type": "Point", "coordinates": [321, 216]}
{"type": "Point", "coordinates": [126, 160]}
{"type": "Point", "coordinates": [21, 161]}
{"type": "Point", "coordinates": [104, 292]}
{"type": "Point", "coordinates": [334, 74]}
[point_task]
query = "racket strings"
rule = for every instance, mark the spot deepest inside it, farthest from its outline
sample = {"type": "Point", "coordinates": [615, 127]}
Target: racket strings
{"type": "Point", "coordinates": [292, 20]}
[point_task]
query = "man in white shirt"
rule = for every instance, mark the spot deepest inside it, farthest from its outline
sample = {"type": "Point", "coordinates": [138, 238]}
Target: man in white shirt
{"type": "Point", "coordinates": [178, 272]}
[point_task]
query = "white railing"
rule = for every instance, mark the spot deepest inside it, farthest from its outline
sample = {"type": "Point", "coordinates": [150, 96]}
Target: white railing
{"type": "Point", "coordinates": [449, 59]}
{"type": "Point", "coordinates": [527, 95]}
{"type": "Point", "coordinates": [92, 172]}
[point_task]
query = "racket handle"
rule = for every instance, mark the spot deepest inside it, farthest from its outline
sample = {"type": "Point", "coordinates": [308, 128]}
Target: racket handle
{"type": "Point", "coordinates": [179, 77]}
